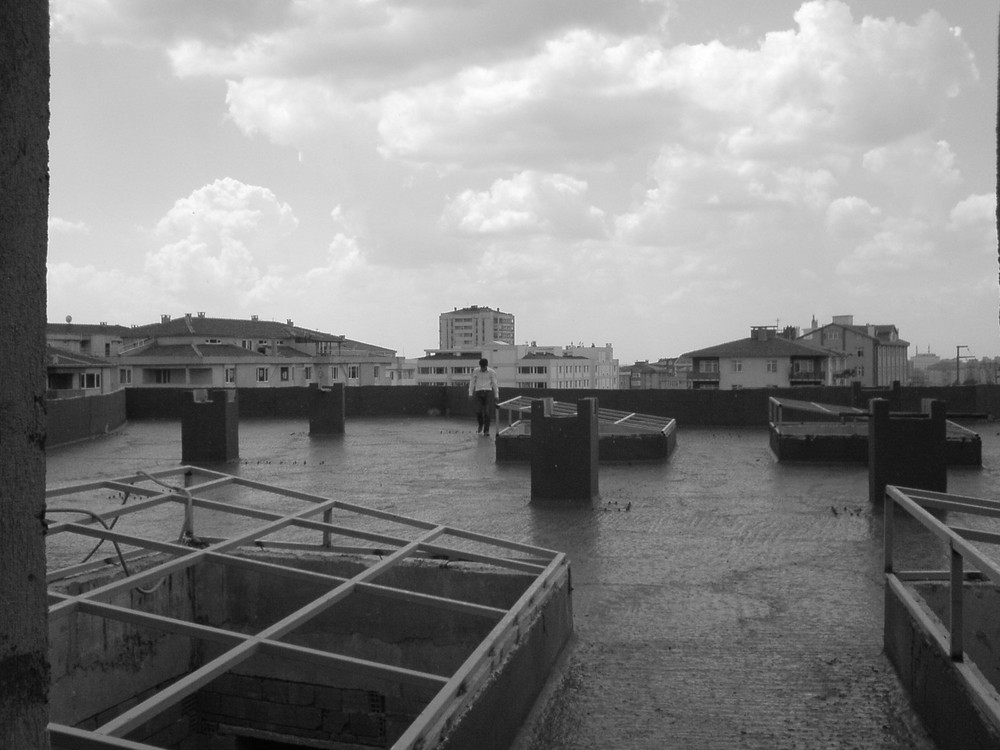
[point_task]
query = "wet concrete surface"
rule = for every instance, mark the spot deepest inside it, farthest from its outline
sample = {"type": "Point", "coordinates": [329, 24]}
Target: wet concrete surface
{"type": "Point", "coordinates": [721, 599]}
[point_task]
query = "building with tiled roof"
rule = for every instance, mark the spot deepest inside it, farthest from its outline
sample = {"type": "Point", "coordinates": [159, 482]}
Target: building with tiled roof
{"type": "Point", "coordinates": [766, 358]}
{"type": "Point", "coordinates": [197, 351]}
{"type": "Point", "coordinates": [98, 340]}
{"type": "Point", "coordinates": [203, 352]}
{"type": "Point", "coordinates": [70, 374]}
{"type": "Point", "coordinates": [669, 372]}
{"type": "Point", "coordinates": [872, 354]}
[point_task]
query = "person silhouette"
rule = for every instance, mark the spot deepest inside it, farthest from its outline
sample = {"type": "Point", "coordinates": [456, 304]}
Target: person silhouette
{"type": "Point", "coordinates": [485, 388]}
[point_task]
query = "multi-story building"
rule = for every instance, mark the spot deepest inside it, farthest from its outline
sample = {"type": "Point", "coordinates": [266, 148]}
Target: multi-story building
{"type": "Point", "coordinates": [666, 372]}
{"type": "Point", "coordinates": [70, 373]}
{"type": "Point", "coordinates": [764, 359]}
{"type": "Point", "coordinates": [101, 340]}
{"type": "Point", "coordinates": [872, 355]}
{"type": "Point", "coordinates": [524, 366]}
{"type": "Point", "coordinates": [474, 328]}
{"type": "Point", "coordinates": [202, 352]}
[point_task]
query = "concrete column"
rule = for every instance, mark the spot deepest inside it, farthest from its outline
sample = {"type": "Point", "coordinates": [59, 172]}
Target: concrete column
{"type": "Point", "coordinates": [326, 409]}
{"type": "Point", "coordinates": [210, 427]}
{"type": "Point", "coordinates": [906, 450]}
{"type": "Point", "coordinates": [564, 452]}
{"type": "Point", "coordinates": [24, 194]}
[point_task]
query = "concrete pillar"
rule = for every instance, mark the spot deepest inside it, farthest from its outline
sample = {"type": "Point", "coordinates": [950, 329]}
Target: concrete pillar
{"type": "Point", "coordinates": [24, 200]}
{"type": "Point", "coordinates": [906, 450]}
{"type": "Point", "coordinates": [210, 427]}
{"type": "Point", "coordinates": [564, 452]}
{"type": "Point", "coordinates": [326, 410]}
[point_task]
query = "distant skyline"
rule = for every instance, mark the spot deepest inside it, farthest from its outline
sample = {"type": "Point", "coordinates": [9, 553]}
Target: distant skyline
{"type": "Point", "coordinates": [660, 175]}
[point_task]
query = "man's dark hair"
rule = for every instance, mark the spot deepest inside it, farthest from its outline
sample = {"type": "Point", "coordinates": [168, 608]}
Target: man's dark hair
{"type": "Point", "coordinates": [483, 362]}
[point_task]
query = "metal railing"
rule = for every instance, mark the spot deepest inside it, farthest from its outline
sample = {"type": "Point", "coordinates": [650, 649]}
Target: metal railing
{"type": "Point", "coordinates": [967, 562]}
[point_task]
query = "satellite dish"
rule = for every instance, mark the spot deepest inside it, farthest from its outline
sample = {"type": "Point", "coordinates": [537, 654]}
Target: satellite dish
{"type": "Point", "coordinates": [69, 318]}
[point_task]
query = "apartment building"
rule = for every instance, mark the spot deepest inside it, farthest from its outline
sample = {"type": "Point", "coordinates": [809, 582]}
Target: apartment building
{"type": "Point", "coordinates": [666, 372]}
{"type": "Point", "coordinates": [196, 351]}
{"type": "Point", "coordinates": [762, 360]}
{"type": "Point", "coordinates": [474, 327]}
{"type": "Point", "coordinates": [524, 366]}
{"type": "Point", "coordinates": [70, 374]}
{"type": "Point", "coordinates": [872, 354]}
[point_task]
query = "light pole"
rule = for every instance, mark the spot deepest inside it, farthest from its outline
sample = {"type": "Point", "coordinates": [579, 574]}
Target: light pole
{"type": "Point", "coordinates": [958, 364]}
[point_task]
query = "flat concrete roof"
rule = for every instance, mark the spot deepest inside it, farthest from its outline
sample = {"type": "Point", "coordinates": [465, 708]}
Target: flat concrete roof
{"type": "Point", "coordinates": [721, 599]}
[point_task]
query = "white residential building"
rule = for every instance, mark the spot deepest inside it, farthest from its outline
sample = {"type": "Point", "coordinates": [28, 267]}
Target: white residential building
{"type": "Point", "coordinates": [523, 366]}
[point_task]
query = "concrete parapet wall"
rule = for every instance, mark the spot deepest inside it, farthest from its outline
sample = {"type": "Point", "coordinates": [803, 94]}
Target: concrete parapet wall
{"type": "Point", "coordinates": [956, 700]}
{"type": "Point", "coordinates": [747, 407]}
{"type": "Point", "coordinates": [84, 417]}
{"type": "Point", "coordinates": [499, 709]}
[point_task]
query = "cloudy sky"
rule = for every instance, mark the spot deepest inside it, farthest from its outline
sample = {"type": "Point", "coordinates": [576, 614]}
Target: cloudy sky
{"type": "Point", "coordinates": [655, 174]}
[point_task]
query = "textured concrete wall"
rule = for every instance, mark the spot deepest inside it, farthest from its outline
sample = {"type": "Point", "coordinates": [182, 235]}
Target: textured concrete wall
{"type": "Point", "coordinates": [905, 451]}
{"type": "Point", "coordinates": [947, 707]}
{"type": "Point", "coordinates": [210, 427]}
{"type": "Point", "coordinates": [24, 97]}
{"type": "Point", "coordinates": [743, 408]}
{"type": "Point", "coordinates": [327, 410]}
{"type": "Point", "coordinates": [100, 666]}
{"type": "Point", "coordinates": [74, 419]}
{"type": "Point", "coordinates": [564, 453]}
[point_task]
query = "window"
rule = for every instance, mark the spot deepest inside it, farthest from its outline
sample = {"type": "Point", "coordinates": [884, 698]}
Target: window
{"type": "Point", "coordinates": [375, 372]}
{"type": "Point", "coordinates": [125, 376]}
{"type": "Point", "coordinates": [161, 376]}
{"type": "Point", "coordinates": [860, 371]}
{"type": "Point", "coordinates": [772, 365]}
{"type": "Point", "coordinates": [230, 375]}
{"type": "Point", "coordinates": [737, 365]}
{"type": "Point", "coordinates": [352, 372]}
{"type": "Point", "coordinates": [861, 351]}
{"type": "Point", "coordinates": [107, 350]}
{"type": "Point", "coordinates": [832, 335]}
{"type": "Point", "coordinates": [247, 344]}
{"type": "Point", "coordinates": [90, 380]}
{"type": "Point", "coordinates": [262, 374]}
{"type": "Point", "coordinates": [213, 341]}
{"type": "Point", "coordinates": [803, 366]}
{"type": "Point", "coordinates": [334, 372]}
{"type": "Point", "coordinates": [284, 373]}
{"type": "Point", "coordinates": [308, 372]}
{"type": "Point", "coordinates": [708, 365]}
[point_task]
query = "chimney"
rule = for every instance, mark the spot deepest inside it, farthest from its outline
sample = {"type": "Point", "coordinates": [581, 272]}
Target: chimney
{"type": "Point", "coordinates": [253, 317]}
{"type": "Point", "coordinates": [201, 315]}
{"type": "Point", "coordinates": [164, 318]}
{"type": "Point", "coordinates": [290, 323]}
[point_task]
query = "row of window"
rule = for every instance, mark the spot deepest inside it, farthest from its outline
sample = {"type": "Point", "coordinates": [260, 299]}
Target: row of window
{"type": "Point", "coordinates": [263, 375]}
{"type": "Point", "coordinates": [770, 365]}
{"type": "Point", "coordinates": [446, 370]}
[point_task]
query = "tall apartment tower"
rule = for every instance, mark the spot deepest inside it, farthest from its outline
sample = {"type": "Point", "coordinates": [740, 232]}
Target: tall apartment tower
{"type": "Point", "coordinates": [475, 327]}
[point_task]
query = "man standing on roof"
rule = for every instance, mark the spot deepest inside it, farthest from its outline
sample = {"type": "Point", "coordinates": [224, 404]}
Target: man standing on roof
{"type": "Point", "coordinates": [485, 388]}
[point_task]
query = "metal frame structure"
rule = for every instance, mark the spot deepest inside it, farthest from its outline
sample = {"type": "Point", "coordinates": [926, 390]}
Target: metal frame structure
{"type": "Point", "coordinates": [521, 405]}
{"type": "Point", "coordinates": [967, 563]}
{"type": "Point", "coordinates": [417, 539]}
